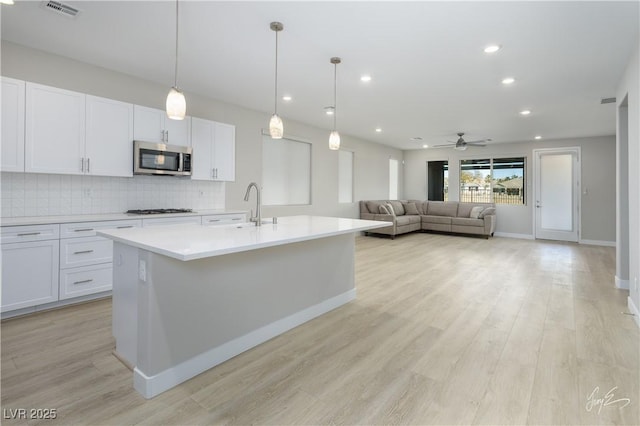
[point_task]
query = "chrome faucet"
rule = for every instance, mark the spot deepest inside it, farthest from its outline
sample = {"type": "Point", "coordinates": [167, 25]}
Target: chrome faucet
{"type": "Point", "coordinates": [258, 218]}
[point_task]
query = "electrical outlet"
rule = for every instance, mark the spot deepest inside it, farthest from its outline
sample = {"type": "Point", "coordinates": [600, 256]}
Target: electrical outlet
{"type": "Point", "coordinates": [201, 193]}
{"type": "Point", "coordinates": [142, 271]}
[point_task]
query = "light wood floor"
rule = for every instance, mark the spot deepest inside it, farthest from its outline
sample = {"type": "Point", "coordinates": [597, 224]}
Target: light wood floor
{"type": "Point", "coordinates": [445, 330]}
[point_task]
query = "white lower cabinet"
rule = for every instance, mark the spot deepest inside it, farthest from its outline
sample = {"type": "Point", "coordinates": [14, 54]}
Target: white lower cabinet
{"type": "Point", "coordinates": [223, 219]}
{"type": "Point", "coordinates": [162, 221]}
{"type": "Point", "coordinates": [29, 267]}
{"type": "Point", "coordinates": [86, 259]}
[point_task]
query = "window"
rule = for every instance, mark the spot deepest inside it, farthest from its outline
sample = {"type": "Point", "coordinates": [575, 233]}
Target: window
{"type": "Point", "coordinates": [345, 176]}
{"type": "Point", "coordinates": [286, 172]}
{"type": "Point", "coordinates": [393, 179]}
{"type": "Point", "coordinates": [438, 180]}
{"type": "Point", "coordinates": [497, 180]}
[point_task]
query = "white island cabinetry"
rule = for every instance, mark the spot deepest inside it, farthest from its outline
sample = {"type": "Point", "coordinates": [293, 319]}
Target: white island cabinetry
{"type": "Point", "coordinates": [188, 297]}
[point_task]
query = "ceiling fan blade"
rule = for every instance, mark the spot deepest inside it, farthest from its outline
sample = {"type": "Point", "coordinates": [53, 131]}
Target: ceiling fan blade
{"type": "Point", "coordinates": [477, 143]}
{"type": "Point", "coordinates": [443, 145]}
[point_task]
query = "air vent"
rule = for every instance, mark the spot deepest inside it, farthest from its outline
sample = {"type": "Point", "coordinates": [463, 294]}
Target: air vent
{"type": "Point", "coordinates": [607, 101]}
{"type": "Point", "coordinates": [60, 8]}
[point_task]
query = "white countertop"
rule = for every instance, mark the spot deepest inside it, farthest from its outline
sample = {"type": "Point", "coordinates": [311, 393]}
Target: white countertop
{"type": "Point", "coordinates": [190, 241]}
{"type": "Point", "coordinates": [45, 220]}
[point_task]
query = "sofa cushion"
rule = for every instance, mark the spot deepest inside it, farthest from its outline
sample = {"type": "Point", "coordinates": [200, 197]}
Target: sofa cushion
{"type": "Point", "coordinates": [464, 209]}
{"type": "Point", "coordinates": [487, 211]}
{"type": "Point", "coordinates": [390, 209]}
{"type": "Point", "coordinates": [397, 207]}
{"type": "Point", "coordinates": [410, 208]}
{"type": "Point", "coordinates": [467, 221]}
{"type": "Point", "coordinates": [374, 206]}
{"type": "Point", "coordinates": [384, 209]}
{"type": "Point", "coordinates": [475, 212]}
{"type": "Point", "coordinates": [436, 219]}
{"type": "Point", "coordinates": [442, 208]}
{"type": "Point", "coordinates": [407, 219]}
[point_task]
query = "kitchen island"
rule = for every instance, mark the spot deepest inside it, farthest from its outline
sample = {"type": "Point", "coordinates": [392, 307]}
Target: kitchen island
{"type": "Point", "coordinates": [187, 297]}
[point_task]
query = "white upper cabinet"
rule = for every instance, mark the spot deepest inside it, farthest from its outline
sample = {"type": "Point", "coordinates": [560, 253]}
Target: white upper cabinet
{"type": "Point", "coordinates": [12, 125]}
{"type": "Point", "coordinates": [213, 150]}
{"type": "Point", "coordinates": [55, 130]}
{"type": "Point", "coordinates": [153, 125]}
{"type": "Point", "coordinates": [224, 152]}
{"type": "Point", "coordinates": [109, 138]}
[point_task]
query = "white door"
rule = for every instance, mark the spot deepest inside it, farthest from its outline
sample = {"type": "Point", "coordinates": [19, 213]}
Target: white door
{"type": "Point", "coordinates": [12, 125]}
{"type": "Point", "coordinates": [224, 152]}
{"type": "Point", "coordinates": [557, 194]}
{"type": "Point", "coordinates": [109, 141]}
{"type": "Point", "coordinates": [55, 130]}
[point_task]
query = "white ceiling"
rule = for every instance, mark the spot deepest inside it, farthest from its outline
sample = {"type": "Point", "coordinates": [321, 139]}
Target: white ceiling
{"type": "Point", "coordinates": [431, 77]}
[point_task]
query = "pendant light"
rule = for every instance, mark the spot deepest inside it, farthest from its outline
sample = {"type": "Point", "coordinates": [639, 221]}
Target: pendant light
{"type": "Point", "coordinates": [334, 137]}
{"type": "Point", "coordinates": [176, 104]}
{"type": "Point", "coordinates": [276, 128]}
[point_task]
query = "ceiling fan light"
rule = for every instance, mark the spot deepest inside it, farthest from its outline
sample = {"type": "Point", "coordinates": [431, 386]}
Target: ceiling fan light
{"type": "Point", "coordinates": [276, 128]}
{"type": "Point", "coordinates": [334, 140]}
{"type": "Point", "coordinates": [176, 104]}
{"type": "Point", "coordinates": [460, 147]}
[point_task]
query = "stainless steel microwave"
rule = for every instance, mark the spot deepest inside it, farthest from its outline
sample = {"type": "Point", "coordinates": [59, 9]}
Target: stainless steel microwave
{"type": "Point", "coordinates": [161, 159]}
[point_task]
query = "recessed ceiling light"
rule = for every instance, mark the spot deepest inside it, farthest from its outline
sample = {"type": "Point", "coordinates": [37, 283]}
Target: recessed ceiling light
{"type": "Point", "coordinates": [538, 137]}
{"type": "Point", "coordinates": [493, 48]}
{"type": "Point", "coordinates": [425, 146]}
{"type": "Point", "coordinates": [286, 98]}
{"type": "Point", "coordinates": [366, 78]}
{"type": "Point", "coordinates": [378, 130]}
{"type": "Point", "coordinates": [525, 112]}
{"type": "Point", "coordinates": [508, 80]}
{"type": "Point", "coordinates": [329, 110]}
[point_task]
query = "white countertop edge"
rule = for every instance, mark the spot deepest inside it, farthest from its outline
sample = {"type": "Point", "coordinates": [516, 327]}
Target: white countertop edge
{"type": "Point", "coordinates": [104, 217]}
{"type": "Point", "coordinates": [113, 234]}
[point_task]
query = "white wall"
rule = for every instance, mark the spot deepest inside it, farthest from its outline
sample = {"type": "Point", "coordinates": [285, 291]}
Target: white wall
{"type": "Point", "coordinates": [371, 171]}
{"type": "Point", "coordinates": [598, 178]}
{"type": "Point", "coordinates": [629, 88]}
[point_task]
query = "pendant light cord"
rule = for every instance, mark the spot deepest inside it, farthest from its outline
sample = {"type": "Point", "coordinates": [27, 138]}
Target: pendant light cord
{"type": "Point", "coordinates": [275, 95]}
{"type": "Point", "coordinates": [175, 83]}
{"type": "Point", "coordinates": [335, 97]}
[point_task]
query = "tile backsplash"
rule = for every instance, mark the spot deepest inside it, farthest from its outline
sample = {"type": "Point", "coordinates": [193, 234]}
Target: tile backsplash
{"type": "Point", "coordinates": [29, 194]}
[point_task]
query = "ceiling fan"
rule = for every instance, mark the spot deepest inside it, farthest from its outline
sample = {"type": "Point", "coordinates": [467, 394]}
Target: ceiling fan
{"type": "Point", "coordinates": [462, 145]}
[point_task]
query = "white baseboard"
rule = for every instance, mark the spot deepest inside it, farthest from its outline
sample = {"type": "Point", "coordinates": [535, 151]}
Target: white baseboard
{"type": "Point", "coordinates": [622, 284]}
{"type": "Point", "coordinates": [598, 243]}
{"type": "Point", "coordinates": [634, 310]}
{"type": "Point", "coordinates": [150, 386]}
{"type": "Point", "coordinates": [510, 235]}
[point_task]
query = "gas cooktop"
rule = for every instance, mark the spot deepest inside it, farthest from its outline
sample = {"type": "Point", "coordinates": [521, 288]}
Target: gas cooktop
{"type": "Point", "coordinates": [159, 211]}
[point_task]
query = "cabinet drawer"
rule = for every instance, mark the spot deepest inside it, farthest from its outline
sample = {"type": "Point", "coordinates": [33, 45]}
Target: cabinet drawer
{"type": "Point", "coordinates": [160, 221]}
{"type": "Point", "coordinates": [85, 251]}
{"type": "Point", "coordinates": [85, 280]}
{"type": "Point", "coordinates": [88, 229]}
{"type": "Point", "coordinates": [18, 234]}
{"type": "Point", "coordinates": [223, 219]}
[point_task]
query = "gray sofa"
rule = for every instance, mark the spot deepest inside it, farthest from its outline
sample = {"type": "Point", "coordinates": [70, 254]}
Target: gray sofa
{"type": "Point", "coordinates": [440, 216]}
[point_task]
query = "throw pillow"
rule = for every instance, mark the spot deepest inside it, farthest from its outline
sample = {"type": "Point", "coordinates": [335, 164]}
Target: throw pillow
{"type": "Point", "coordinates": [487, 211]}
{"type": "Point", "coordinates": [410, 208]}
{"type": "Point", "coordinates": [390, 208]}
{"type": "Point", "coordinates": [398, 210]}
{"type": "Point", "coordinates": [383, 209]}
{"type": "Point", "coordinates": [475, 212]}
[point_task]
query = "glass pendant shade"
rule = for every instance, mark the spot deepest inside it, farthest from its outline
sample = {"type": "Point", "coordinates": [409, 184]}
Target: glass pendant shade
{"type": "Point", "coordinates": [334, 140]}
{"type": "Point", "coordinates": [176, 104]}
{"type": "Point", "coordinates": [276, 128]}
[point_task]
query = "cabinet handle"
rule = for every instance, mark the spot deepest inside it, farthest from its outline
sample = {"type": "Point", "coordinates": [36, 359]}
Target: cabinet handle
{"type": "Point", "coordinates": [213, 220]}
{"type": "Point", "coordinates": [88, 165]}
{"type": "Point", "coordinates": [83, 230]}
{"type": "Point", "coordinates": [27, 234]}
{"type": "Point", "coordinates": [237, 218]}
{"type": "Point", "coordinates": [83, 252]}
{"type": "Point", "coordinates": [124, 227]}
{"type": "Point", "coordinates": [82, 165]}
{"type": "Point", "coordinates": [167, 132]}
{"type": "Point", "coordinates": [81, 282]}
